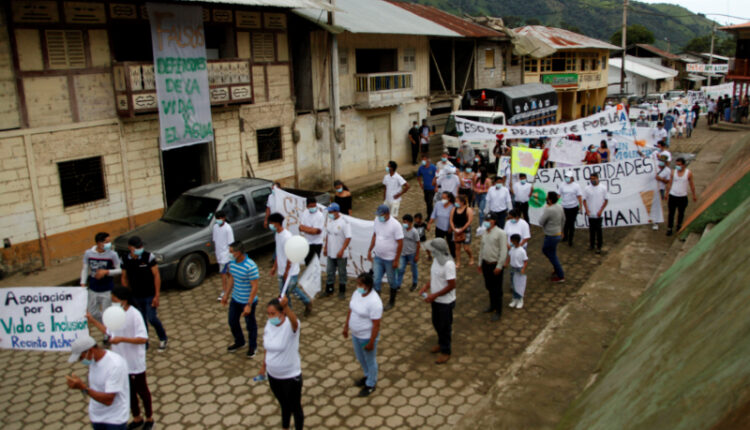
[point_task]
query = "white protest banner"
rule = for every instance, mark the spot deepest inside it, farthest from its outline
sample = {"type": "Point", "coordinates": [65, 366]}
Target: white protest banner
{"type": "Point", "coordinates": [291, 206]}
{"type": "Point", "coordinates": [181, 74]}
{"type": "Point", "coordinates": [504, 166]}
{"type": "Point", "coordinates": [42, 318]}
{"type": "Point", "coordinates": [607, 120]}
{"type": "Point", "coordinates": [627, 145]}
{"type": "Point", "coordinates": [309, 280]}
{"type": "Point", "coordinates": [633, 195]}
{"type": "Point", "coordinates": [715, 91]}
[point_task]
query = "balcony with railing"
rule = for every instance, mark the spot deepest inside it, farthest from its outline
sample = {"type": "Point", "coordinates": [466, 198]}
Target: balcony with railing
{"type": "Point", "coordinates": [739, 68]}
{"type": "Point", "coordinates": [229, 81]}
{"type": "Point", "coordinates": [374, 90]}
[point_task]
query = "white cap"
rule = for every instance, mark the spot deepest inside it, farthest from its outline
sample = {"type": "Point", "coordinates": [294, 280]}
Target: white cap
{"type": "Point", "coordinates": [569, 173]}
{"type": "Point", "coordinates": [82, 343]}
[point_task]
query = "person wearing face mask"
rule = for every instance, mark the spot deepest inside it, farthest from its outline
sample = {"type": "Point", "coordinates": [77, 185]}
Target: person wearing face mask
{"type": "Point", "coordinates": [271, 203]}
{"type": "Point", "coordinates": [552, 221]}
{"type": "Point", "coordinates": [441, 218]}
{"type": "Point", "coordinates": [572, 202]}
{"type": "Point", "coordinates": [443, 163]}
{"type": "Point", "coordinates": [663, 175]}
{"type": "Point", "coordinates": [222, 235]}
{"type": "Point", "coordinates": [129, 342]}
{"type": "Point", "coordinates": [343, 197]}
{"type": "Point", "coordinates": [281, 362]}
{"type": "Point", "coordinates": [141, 274]}
{"type": "Point", "coordinates": [426, 176]}
{"type": "Point", "coordinates": [677, 190]}
{"type": "Point", "coordinates": [521, 191]}
{"type": "Point", "coordinates": [519, 226]}
{"type": "Point", "coordinates": [409, 255]}
{"type": "Point", "coordinates": [414, 139]}
{"type": "Point", "coordinates": [108, 385]}
{"type": "Point", "coordinates": [461, 217]}
{"type": "Point", "coordinates": [311, 225]}
{"type": "Point", "coordinates": [482, 184]}
{"type": "Point", "coordinates": [338, 236]}
{"type": "Point", "coordinates": [100, 265]}
{"type": "Point", "coordinates": [466, 182]}
{"type": "Point", "coordinates": [243, 290]}
{"type": "Point", "coordinates": [492, 254]}
{"type": "Point", "coordinates": [282, 267]}
{"type": "Point", "coordinates": [440, 293]}
{"type": "Point", "coordinates": [363, 320]}
{"type": "Point", "coordinates": [465, 154]}
{"type": "Point", "coordinates": [448, 181]}
{"type": "Point", "coordinates": [499, 201]}
{"type": "Point", "coordinates": [595, 199]}
{"type": "Point", "coordinates": [395, 187]}
{"type": "Point", "coordinates": [387, 243]}
{"type": "Point", "coordinates": [592, 156]}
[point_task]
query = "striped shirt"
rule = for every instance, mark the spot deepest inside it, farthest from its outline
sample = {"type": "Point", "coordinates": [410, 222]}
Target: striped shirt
{"type": "Point", "coordinates": [242, 274]}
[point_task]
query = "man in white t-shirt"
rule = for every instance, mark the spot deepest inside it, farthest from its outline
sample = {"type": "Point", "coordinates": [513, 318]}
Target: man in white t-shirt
{"type": "Point", "coordinates": [441, 296]}
{"type": "Point", "coordinates": [311, 226]}
{"type": "Point", "coordinates": [498, 201]}
{"type": "Point", "coordinates": [395, 187]}
{"type": "Point", "coordinates": [338, 236]}
{"type": "Point", "coordinates": [282, 267]}
{"type": "Point", "coordinates": [222, 235]}
{"type": "Point", "coordinates": [387, 242]}
{"type": "Point", "coordinates": [442, 164]}
{"type": "Point", "coordinates": [271, 203]}
{"type": "Point", "coordinates": [659, 134]}
{"type": "Point", "coordinates": [108, 388]}
{"type": "Point", "coordinates": [521, 190]}
{"type": "Point", "coordinates": [595, 199]}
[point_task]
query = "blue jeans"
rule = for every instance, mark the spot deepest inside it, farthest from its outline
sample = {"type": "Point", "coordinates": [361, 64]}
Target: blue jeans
{"type": "Point", "coordinates": [367, 359]}
{"type": "Point", "coordinates": [380, 266]}
{"type": "Point", "coordinates": [143, 304]}
{"type": "Point", "coordinates": [107, 426]}
{"type": "Point", "coordinates": [549, 249]}
{"type": "Point", "coordinates": [481, 201]}
{"type": "Point", "coordinates": [294, 288]}
{"type": "Point", "coordinates": [235, 312]}
{"type": "Point", "coordinates": [403, 261]}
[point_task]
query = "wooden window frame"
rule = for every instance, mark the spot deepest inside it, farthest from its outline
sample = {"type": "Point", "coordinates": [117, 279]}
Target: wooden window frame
{"type": "Point", "coordinates": [262, 152]}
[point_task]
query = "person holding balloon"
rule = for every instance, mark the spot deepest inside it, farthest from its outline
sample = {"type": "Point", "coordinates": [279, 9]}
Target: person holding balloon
{"type": "Point", "coordinates": [127, 335]}
{"type": "Point", "coordinates": [285, 267]}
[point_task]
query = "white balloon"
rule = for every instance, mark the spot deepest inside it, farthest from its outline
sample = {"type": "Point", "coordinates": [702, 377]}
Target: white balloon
{"type": "Point", "coordinates": [114, 317]}
{"type": "Point", "coordinates": [296, 248]}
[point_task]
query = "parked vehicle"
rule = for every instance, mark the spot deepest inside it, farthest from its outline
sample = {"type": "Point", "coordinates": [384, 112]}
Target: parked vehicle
{"type": "Point", "coordinates": [181, 240]}
{"type": "Point", "coordinates": [528, 104]}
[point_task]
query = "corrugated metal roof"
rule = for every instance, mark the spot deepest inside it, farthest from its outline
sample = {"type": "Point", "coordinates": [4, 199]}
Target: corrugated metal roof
{"type": "Point", "coordinates": [288, 4]}
{"type": "Point", "coordinates": [449, 21]}
{"type": "Point", "coordinates": [377, 17]}
{"type": "Point", "coordinates": [558, 38]}
{"type": "Point", "coordinates": [736, 27]}
{"type": "Point", "coordinates": [645, 69]}
{"type": "Point", "coordinates": [657, 51]}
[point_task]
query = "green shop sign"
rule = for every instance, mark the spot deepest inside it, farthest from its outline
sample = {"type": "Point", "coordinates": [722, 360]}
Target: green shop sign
{"type": "Point", "coordinates": [561, 79]}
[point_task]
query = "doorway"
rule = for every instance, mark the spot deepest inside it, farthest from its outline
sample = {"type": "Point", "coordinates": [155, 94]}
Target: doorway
{"type": "Point", "coordinates": [185, 168]}
{"type": "Point", "coordinates": [378, 142]}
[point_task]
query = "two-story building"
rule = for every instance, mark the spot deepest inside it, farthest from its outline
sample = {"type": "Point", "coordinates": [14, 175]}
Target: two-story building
{"type": "Point", "coordinates": [79, 129]}
{"type": "Point", "coordinates": [642, 77]}
{"type": "Point", "coordinates": [574, 64]}
{"type": "Point", "coordinates": [739, 67]}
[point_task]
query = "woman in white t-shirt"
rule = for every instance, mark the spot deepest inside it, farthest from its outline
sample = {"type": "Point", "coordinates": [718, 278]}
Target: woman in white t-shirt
{"type": "Point", "coordinates": [571, 197]}
{"type": "Point", "coordinates": [130, 343]}
{"type": "Point", "coordinates": [363, 319]}
{"type": "Point", "coordinates": [281, 362]}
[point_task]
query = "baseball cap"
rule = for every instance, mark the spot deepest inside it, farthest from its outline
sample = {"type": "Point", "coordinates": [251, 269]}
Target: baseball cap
{"type": "Point", "coordinates": [82, 343]}
{"type": "Point", "coordinates": [438, 247]}
{"type": "Point", "coordinates": [382, 210]}
{"type": "Point", "coordinates": [569, 173]}
{"type": "Point", "coordinates": [334, 207]}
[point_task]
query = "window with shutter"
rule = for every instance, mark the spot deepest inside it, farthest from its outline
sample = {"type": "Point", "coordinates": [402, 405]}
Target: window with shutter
{"type": "Point", "coordinates": [65, 49]}
{"type": "Point", "coordinates": [263, 47]}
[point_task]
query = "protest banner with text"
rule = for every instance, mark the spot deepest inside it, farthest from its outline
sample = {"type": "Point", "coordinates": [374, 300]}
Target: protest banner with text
{"type": "Point", "coordinates": [633, 195]}
{"type": "Point", "coordinates": [42, 318]}
{"type": "Point", "coordinates": [181, 74]}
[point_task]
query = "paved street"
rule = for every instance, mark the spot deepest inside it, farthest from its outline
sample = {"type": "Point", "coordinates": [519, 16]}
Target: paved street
{"type": "Point", "coordinates": [197, 384]}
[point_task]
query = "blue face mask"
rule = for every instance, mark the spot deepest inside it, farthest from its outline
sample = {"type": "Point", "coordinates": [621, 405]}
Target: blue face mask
{"type": "Point", "coordinates": [330, 216]}
{"type": "Point", "coordinates": [661, 164]}
{"type": "Point", "coordinates": [678, 168]}
{"type": "Point", "coordinates": [448, 175]}
{"type": "Point", "coordinates": [486, 224]}
{"type": "Point", "coordinates": [443, 159]}
{"type": "Point", "coordinates": [138, 252]}
{"type": "Point", "coordinates": [275, 321]}
{"type": "Point", "coordinates": [424, 163]}
{"type": "Point", "coordinates": [220, 222]}
{"type": "Point", "coordinates": [498, 186]}
{"type": "Point", "coordinates": [272, 227]}
{"type": "Point", "coordinates": [107, 246]}
{"type": "Point", "coordinates": [523, 181]}
{"type": "Point", "coordinates": [513, 221]}
{"type": "Point", "coordinates": [387, 170]}
{"type": "Point", "coordinates": [232, 259]}
{"type": "Point", "coordinates": [476, 159]}
{"type": "Point", "coordinates": [456, 205]}
{"type": "Point", "coordinates": [87, 362]}
{"type": "Point", "coordinates": [339, 190]}
{"type": "Point", "coordinates": [468, 170]}
{"type": "Point", "coordinates": [313, 210]}
{"type": "Point", "coordinates": [592, 149]}
{"type": "Point", "coordinates": [361, 290]}
{"type": "Point", "coordinates": [406, 226]}
{"type": "Point", "coordinates": [381, 218]}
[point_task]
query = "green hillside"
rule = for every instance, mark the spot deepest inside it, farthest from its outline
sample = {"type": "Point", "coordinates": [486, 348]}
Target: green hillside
{"type": "Point", "coordinates": [595, 18]}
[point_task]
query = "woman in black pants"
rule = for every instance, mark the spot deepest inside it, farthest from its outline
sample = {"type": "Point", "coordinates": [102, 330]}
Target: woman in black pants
{"type": "Point", "coordinates": [282, 362]}
{"type": "Point", "coordinates": [570, 195]}
{"type": "Point", "coordinates": [441, 217]}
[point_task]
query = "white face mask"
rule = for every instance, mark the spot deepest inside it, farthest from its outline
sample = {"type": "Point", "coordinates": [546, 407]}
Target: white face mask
{"type": "Point", "coordinates": [444, 201]}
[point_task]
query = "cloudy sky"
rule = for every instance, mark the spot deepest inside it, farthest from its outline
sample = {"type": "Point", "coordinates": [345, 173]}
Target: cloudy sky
{"type": "Point", "coordinates": [738, 8]}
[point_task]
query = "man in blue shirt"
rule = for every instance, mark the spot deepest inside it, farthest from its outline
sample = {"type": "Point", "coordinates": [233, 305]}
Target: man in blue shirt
{"type": "Point", "coordinates": [425, 175]}
{"type": "Point", "coordinates": [243, 290]}
{"type": "Point", "coordinates": [669, 121]}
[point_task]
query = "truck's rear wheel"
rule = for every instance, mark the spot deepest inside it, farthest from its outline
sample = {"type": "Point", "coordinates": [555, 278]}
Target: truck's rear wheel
{"type": "Point", "coordinates": [191, 271]}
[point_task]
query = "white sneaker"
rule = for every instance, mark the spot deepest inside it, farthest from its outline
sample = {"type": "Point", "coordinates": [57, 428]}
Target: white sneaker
{"type": "Point", "coordinates": [513, 303]}
{"type": "Point", "coordinates": [655, 227]}
{"type": "Point", "coordinates": [221, 296]}
{"type": "Point", "coordinates": [519, 304]}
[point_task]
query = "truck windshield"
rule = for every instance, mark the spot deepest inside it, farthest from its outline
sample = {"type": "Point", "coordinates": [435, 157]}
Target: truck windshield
{"type": "Point", "coordinates": [191, 210]}
{"type": "Point", "coordinates": [450, 126]}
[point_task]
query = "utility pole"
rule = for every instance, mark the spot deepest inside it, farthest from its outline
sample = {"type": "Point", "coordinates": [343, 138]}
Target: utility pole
{"type": "Point", "coordinates": [333, 105]}
{"type": "Point", "coordinates": [711, 54]}
{"type": "Point", "coordinates": [624, 45]}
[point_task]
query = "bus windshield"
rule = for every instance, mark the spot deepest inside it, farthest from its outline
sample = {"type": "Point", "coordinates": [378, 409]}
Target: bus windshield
{"type": "Point", "coordinates": [450, 126]}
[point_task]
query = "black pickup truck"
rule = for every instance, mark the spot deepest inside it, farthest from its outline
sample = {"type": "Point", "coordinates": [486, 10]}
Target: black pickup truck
{"type": "Point", "coordinates": [181, 240]}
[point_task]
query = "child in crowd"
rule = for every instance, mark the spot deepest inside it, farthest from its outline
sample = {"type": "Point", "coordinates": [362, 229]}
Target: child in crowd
{"type": "Point", "coordinates": [409, 253]}
{"type": "Point", "coordinates": [420, 226]}
{"type": "Point", "coordinates": [517, 260]}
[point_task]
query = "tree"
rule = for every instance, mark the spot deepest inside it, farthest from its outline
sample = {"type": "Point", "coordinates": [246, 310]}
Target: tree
{"type": "Point", "coordinates": [570, 27]}
{"type": "Point", "coordinates": [699, 44]}
{"type": "Point", "coordinates": [512, 21]}
{"type": "Point", "coordinates": [636, 34]}
{"type": "Point", "coordinates": [722, 45]}
{"type": "Point", "coordinates": [533, 21]}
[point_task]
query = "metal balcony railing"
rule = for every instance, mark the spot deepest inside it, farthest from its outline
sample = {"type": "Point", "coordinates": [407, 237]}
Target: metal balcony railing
{"type": "Point", "coordinates": [371, 82]}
